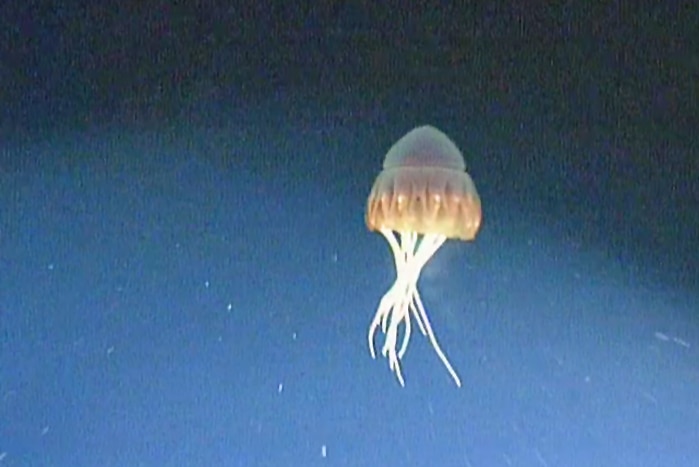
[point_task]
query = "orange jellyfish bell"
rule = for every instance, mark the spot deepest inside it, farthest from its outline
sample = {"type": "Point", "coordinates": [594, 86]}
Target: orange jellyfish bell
{"type": "Point", "coordinates": [424, 188]}
{"type": "Point", "coordinates": [422, 196]}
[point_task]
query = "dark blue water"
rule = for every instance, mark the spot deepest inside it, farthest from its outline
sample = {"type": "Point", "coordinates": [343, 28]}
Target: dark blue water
{"type": "Point", "coordinates": [186, 278]}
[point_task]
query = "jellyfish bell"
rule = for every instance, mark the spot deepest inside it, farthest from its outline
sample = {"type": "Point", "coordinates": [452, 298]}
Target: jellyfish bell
{"type": "Point", "coordinates": [424, 188]}
{"type": "Point", "coordinates": [422, 197]}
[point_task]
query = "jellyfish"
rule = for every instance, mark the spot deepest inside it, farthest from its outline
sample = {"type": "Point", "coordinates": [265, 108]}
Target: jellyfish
{"type": "Point", "coordinates": [422, 197]}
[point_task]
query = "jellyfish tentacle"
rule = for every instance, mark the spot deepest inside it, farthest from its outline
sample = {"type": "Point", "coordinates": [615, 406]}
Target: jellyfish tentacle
{"type": "Point", "coordinates": [435, 345]}
{"type": "Point", "coordinates": [387, 301]}
{"type": "Point", "coordinates": [381, 319]}
{"type": "Point", "coordinates": [431, 244]}
{"type": "Point", "coordinates": [402, 300]}
{"type": "Point", "coordinates": [395, 304]}
{"type": "Point", "coordinates": [428, 246]}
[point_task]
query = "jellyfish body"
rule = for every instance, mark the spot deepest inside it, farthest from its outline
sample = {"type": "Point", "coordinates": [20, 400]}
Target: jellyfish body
{"type": "Point", "coordinates": [422, 197]}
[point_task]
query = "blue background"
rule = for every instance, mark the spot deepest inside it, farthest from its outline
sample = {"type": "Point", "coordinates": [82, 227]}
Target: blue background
{"type": "Point", "coordinates": [186, 278]}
